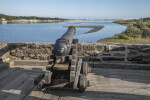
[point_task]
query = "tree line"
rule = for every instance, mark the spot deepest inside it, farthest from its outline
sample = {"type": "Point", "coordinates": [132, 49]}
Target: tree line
{"type": "Point", "coordinates": [28, 17]}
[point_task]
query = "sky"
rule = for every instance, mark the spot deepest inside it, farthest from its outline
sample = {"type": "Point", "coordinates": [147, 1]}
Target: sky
{"type": "Point", "coordinates": [77, 9]}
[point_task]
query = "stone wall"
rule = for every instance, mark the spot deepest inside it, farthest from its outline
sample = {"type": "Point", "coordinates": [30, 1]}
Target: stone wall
{"type": "Point", "coordinates": [28, 51]}
{"type": "Point", "coordinates": [117, 53]}
{"type": "Point", "coordinates": [3, 48]}
{"type": "Point", "coordinates": [4, 51]}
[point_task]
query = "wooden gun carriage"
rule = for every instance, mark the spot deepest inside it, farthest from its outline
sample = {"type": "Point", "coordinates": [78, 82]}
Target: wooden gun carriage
{"type": "Point", "coordinates": [67, 70]}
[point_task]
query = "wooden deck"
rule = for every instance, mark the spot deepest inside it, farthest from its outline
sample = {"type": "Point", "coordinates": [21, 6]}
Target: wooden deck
{"type": "Point", "coordinates": [107, 84]}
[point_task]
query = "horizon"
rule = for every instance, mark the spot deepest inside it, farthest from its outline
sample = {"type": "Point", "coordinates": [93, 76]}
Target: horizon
{"type": "Point", "coordinates": [76, 19]}
{"type": "Point", "coordinates": [69, 9]}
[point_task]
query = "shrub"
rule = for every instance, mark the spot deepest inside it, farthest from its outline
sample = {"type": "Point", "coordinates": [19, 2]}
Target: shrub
{"type": "Point", "coordinates": [133, 31]}
{"type": "Point", "coordinates": [146, 33]}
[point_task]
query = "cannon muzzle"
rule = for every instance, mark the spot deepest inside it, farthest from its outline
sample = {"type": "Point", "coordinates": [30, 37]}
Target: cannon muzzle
{"type": "Point", "coordinates": [62, 46]}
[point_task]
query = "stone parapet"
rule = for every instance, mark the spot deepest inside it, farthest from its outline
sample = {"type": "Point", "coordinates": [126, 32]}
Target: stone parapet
{"type": "Point", "coordinates": [108, 53]}
{"type": "Point", "coordinates": [123, 53]}
{"type": "Point", "coordinates": [28, 51]}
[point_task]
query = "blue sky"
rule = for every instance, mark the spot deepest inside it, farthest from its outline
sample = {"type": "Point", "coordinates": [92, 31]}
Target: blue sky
{"type": "Point", "coordinates": [90, 9]}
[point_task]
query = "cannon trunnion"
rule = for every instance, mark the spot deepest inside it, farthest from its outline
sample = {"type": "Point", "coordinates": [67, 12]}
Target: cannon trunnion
{"type": "Point", "coordinates": [66, 70]}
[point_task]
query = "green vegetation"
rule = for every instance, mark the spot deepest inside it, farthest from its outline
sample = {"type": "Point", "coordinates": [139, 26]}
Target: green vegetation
{"type": "Point", "coordinates": [132, 41]}
{"type": "Point", "coordinates": [138, 31]}
{"type": "Point", "coordinates": [125, 22]}
{"type": "Point", "coordinates": [8, 18]}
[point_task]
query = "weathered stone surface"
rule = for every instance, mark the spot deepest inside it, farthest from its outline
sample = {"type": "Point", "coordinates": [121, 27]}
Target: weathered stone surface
{"type": "Point", "coordinates": [146, 58]}
{"type": "Point", "coordinates": [119, 54]}
{"type": "Point", "coordinates": [99, 48]}
{"type": "Point", "coordinates": [31, 51]}
{"type": "Point", "coordinates": [117, 48]}
{"type": "Point", "coordinates": [15, 45]}
{"type": "Point", "coordinates": [106, 54]}
{"type": "Point", "coordinates": [1, 60]}
{"type": "Point", "coordinates": [135, 58]}
{"type": "Point", "coordinates": [3, 48]}
{"type": "Point", "coordinates": [112, 59]}
{"type": "Point", "coordinates": [91, 58]}
{"type": "Point", "coordinates": [133, 53]}
{"type": "Point", "coordinates": [89, 51]}
{"type": "Point", "coordinates": [133, 47]}
{"type": "Point", "coordinates": [144, 48]}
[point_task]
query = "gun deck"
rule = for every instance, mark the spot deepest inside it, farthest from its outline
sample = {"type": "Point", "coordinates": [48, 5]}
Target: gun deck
{"type": "Point", "coordinates": [108, 84]}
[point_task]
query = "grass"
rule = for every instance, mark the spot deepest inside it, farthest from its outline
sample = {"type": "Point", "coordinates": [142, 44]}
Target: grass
{"type": "Point", "coordinates": [138, 31]}
{"type": "Point", "coordinates": [128, 41]}
{"type": "Point", "coordinates": [126, 22]}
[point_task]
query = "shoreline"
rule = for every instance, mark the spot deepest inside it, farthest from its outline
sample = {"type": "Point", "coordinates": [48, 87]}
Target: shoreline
{"type": "Point", "coordinates": [125, 22]}
{"type": "Point", "coordinates": [31, 21]}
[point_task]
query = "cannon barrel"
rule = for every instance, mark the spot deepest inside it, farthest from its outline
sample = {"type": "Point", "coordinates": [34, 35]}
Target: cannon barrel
{"type": "Point", "coordinates": [62, 45]}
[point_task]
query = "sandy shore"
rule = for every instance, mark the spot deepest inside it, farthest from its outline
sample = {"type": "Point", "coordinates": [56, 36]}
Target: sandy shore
{"type": "Point", "coordinates": [33, 21]}
{"type": "Point", "coordinates": [94, 28]}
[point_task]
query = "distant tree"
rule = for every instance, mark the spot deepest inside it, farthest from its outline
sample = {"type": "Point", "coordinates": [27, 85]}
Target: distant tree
{"type": "Point", "coordinates": [27, 17]}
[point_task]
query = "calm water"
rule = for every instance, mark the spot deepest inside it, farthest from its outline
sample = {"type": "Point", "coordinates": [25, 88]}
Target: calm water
{"type": "Point", "coordinates": [49, 32]}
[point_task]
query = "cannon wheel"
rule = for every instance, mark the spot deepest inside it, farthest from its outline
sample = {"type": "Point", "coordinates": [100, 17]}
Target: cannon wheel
{"type": "Point", "coordinates": [82, 83]}
{"type": "Point", "coordinates": [41, 88]}
{"type": "Point", "coordinates": [85, 68]}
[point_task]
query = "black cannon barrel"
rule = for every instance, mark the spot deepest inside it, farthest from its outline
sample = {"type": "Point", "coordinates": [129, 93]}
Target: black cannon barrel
{"type": "Point", "coordinates": [63, 45]}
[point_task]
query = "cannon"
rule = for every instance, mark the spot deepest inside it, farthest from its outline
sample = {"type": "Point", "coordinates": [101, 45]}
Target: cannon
{"type": "Point", "coordinates": [66, 70]}
{"type": "Point", "coordinates": [63, 45]}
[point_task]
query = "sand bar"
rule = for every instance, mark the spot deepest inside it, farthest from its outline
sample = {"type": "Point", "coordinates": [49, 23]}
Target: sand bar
{"type": "Point", "coordinates": [94, 28]}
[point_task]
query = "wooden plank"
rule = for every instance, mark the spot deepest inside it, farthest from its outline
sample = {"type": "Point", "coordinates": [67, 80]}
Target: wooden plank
{"type": "Point", "coordinates": [22, 91]}
{"type": "Point", "coordinates": [116, 88]}
{"type": "Point", "coordinates": [126, 75]}
{"type": "Point", "coordinates": [77, 98]}
{"type": "Point", "coordinates": [78, 69]}
{"type": "Point", "coordinates": [121, 66]}
{"type": "Point", "coordinates": [7, 72]}
{"type": "Point", "coordinates": [72, 71]}
{"type": "Point", "coordinates": [10, 88]}
{"type": "Point", "coordinates": [48, 96]}
{"type": "Point", "coordinates": [34, 94]}
{"type": "Point", "coordinates": [32, 72]}
{"type": "Point", "coordinates": [9, 78]}
{"type": "Point", "coordinates": [61, 66]}
{"type": "Point", "coordinates": [31, 63]}
{"type": "Point", "coordinates": [122, 72]}
{"type": "Point", "coordinates": [12, 74]}
{"type": "Point", "coordinates": [33, 68]}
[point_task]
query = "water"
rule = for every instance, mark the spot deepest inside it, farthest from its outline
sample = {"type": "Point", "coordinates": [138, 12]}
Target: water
{"type": "Point", "coordinates": [49, 32]}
